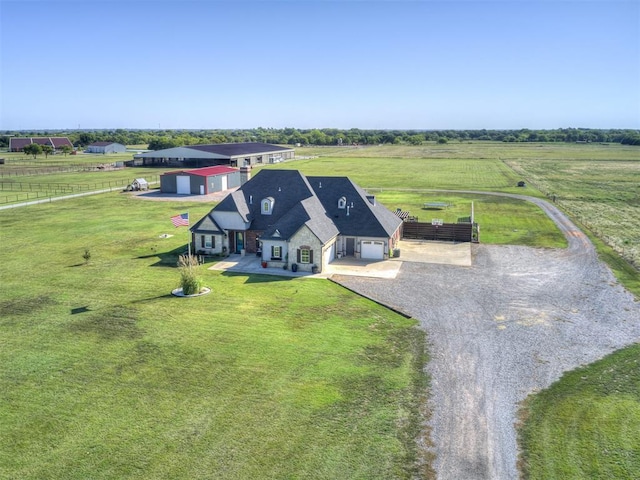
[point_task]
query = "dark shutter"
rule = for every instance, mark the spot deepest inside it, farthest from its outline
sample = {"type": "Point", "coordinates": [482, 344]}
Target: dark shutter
{"type": "Point", "coordinates": [298, 255]}
{"type": "Point", "coordinates": [310, 256]}
{"type": "Point", "coordinates": [272, 250]}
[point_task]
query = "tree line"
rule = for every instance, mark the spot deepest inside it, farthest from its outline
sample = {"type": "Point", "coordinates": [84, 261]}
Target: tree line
{"type": "Point", "coordinates": [159, 139]}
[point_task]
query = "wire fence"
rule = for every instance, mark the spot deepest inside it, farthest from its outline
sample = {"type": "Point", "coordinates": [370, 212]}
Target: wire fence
{"type": "Point", "coordinates": [29, 171]}
{"type": "Point", "coordinates": [23, 192]}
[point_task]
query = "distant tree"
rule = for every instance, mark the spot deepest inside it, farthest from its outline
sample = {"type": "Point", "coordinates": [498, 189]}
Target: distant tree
{"type": "Point", "coordinates": [85, 139]}
{"type": "Point", "coordinates": [66, 149]}
{"type": "Point", "coordinates": [160, 143]}
{"type": "Point", "coordinates": [32, 149]}
{"type": "Point", "coordinates": [415, 139]}
{"type": "Point", "coordinates": [443, 140]}
{"type": "Point", "coordinates": [47, 149]}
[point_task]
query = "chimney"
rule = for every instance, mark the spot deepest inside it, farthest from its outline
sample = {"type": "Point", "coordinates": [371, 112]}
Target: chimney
{"type": "Point", "coordinates": [245, 174]}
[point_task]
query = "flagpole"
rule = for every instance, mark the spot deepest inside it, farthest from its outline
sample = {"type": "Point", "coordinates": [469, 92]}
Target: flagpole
{"type": "Point", "coordinates": [189, 236]}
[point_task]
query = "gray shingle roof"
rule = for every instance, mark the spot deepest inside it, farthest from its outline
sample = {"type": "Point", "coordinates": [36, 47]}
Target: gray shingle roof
{"type": "Point", "coordinates": [311, 201]}
{"type": "Point", "coordinates": [364, 218]}
{"type": "Point", "coordinates": [235, 149]}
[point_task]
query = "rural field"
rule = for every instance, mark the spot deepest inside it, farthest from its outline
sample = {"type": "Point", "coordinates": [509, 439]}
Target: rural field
{"type": "Point", "coordinates": [104, 374]}
{"type": "Point", "coordinates": [597, 185]}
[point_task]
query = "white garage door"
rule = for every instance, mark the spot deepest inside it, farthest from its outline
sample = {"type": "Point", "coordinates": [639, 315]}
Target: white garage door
{"type": "Point", "coordinates": [373, 250]}
{"type": "Point", "coordinates": [330, 253]}
{"type": "Point", "coordinates": [183, 185]}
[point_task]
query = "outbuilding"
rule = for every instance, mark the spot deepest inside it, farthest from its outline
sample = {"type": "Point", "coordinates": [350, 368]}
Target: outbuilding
{"type": "Point", "coordinates": [201, 181]}
{"type": "Point", "coordinates": [105, 147]}
{"type": "Point", "coordinates": [229, 154]}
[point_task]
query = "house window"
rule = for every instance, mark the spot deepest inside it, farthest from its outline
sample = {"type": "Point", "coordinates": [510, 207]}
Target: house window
{"type": "Point", "coordinates": [304, 254]}
{"type": "Point", "coordinates": [208, 241]}
{"type": "Point", "coordinates": [276, 252]}
{"type": "Point", "coordinates": [267, 205]}
{"type": "Point", "coordinates": [342, 202]}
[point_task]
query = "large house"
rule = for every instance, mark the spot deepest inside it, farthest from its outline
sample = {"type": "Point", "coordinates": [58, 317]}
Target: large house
{"type": "Point", "coordinates": [16, 144]}
{"type": "Point", "coordinates": [229, 154]}
{"type": "Point", "coordinates": [287, 218]}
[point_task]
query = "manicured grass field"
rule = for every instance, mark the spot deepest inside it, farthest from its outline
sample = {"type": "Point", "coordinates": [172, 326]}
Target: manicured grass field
{"type": "Point", "coordinates": [586, 425]}
{"type": "Point", "coordinates": [104, 374]}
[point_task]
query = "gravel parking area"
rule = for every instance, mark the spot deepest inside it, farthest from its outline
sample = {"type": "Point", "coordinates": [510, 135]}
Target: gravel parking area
{"type": "Point", "coordinates": [498, 330]}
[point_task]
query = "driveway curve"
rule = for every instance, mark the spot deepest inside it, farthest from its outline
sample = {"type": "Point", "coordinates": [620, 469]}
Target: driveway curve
{"type": "Point", "coordinates": [503, 328]}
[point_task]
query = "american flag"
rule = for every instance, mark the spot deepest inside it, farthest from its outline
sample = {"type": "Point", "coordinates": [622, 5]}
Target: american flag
{"type": "Point", "coordinates": [181, 220]}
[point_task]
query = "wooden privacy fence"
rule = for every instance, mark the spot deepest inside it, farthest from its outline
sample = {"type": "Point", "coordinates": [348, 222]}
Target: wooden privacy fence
{"type": "Point", "coordinates": [455, 232]}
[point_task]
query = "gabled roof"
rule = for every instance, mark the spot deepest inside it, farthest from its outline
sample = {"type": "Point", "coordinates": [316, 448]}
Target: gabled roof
{"type": "Point", "coordinates": [100, 144]}
{"type": "Point", "coordinates": [207, 224]}
{"type": "Point", "coordinates": [59, 142]}
{"type": "Point", "coordinates": [234, 149]}
{"type": "Point", "coordinates": [308, 212]}
{"type": "Point", "coordinates": [312, 201]}
{"type": "Point", "coordinates": [365, 217]}
{"type": "Point", "coordinates": [286, 187]}
{"type": "Point", "coordinates": [19, 142]}
{"type": "Point", "coordinates": [223, 151]}
{"type": "Point", "coordinates": [55, 142]}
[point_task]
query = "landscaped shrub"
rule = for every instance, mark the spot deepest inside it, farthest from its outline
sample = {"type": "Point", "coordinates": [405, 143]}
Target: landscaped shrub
{"type": "Point", "coordinates": [189, 274]}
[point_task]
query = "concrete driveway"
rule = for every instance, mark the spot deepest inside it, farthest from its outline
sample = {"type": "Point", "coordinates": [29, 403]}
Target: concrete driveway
{"type": "Point", "coordinates": [414, 251]}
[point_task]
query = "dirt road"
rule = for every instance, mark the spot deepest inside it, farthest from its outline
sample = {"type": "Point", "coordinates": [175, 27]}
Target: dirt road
{"type": "Point", "coordinates": [501, 329]}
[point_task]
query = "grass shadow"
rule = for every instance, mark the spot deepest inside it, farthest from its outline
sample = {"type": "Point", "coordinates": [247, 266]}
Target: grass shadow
{"type": "Point", "coordinates": [257, 278]}
{"type": "Point", "coordinates": [165, 259]}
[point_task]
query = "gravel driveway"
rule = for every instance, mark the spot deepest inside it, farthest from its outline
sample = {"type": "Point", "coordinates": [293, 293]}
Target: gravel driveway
{"type": "Point", "coordinates": [503, 328]}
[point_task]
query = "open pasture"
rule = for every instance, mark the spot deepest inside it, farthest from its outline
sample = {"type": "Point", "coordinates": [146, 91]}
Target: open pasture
{"type": "Point", "coordinates": [481, 150]}
{"type": "Point", "coordinates": [603, 196]}
{"type": "Point", "coordinates": [104, 374]}
{"type": "Point", "coordinates": [416, 174]}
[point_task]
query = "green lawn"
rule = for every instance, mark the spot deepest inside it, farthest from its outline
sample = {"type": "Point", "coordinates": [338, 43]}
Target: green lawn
{"type": "Point", "coordinates": [104, 374]}
{"type": "Point", "coordinates": [586, 425]}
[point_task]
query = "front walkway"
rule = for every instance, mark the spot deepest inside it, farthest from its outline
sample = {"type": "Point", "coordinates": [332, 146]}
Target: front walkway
{"type": "Point", "coordinates": [343, 266]}
{"type": "Point", "coordinates": [414, 251]}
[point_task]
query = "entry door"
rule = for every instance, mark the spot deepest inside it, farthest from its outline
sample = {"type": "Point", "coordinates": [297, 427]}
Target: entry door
{"type": "Point", "coordinates": [223, 182]}
{"type": "Point", "coordinates": [351, 247]}
{"type": "Point", "coordinates": [239, 241]}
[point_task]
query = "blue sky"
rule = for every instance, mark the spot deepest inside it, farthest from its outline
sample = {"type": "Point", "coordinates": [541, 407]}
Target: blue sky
{"type": "Point", "coordinates": [316, 64]}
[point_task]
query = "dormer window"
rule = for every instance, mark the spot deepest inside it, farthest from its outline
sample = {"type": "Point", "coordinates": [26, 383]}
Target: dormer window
{"type": "Point", "coordinates": [342, 202]}
{"type": "Point", "coordinates": [267, 206]}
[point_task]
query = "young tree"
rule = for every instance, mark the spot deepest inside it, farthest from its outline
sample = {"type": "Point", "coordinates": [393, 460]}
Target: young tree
{"type": "Point", "coordinates": [47, 149]}
{"type": "Point", "coordinates": [66, 149]}
{"type": "Point", "coordinates": [32, 149]}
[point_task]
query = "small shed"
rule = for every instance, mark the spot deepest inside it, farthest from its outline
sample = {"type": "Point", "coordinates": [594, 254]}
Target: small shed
{"type": "Point", "coordinates": [140, 184]}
